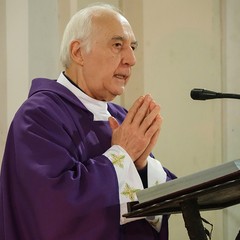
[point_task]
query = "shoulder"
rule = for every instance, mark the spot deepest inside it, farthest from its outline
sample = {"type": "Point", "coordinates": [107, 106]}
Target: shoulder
{"type": "Point", "coordinates": [47, 101]}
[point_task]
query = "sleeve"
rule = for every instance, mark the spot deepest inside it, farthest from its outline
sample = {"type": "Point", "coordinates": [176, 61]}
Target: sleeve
{"type": "Point", "coordinates": [157, 174]}
{"type": "Point", "coordinates": [129, 181]}
{"type": "Point", "coordinates": [54, 194]}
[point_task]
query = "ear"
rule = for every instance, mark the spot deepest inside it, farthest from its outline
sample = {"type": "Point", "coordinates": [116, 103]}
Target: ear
{"type": "Point", "coordinates": [75, 52]}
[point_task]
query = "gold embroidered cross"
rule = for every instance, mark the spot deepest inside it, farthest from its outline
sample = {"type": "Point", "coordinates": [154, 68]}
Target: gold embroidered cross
{"type": "Point", "coordinates": [117, 160]}
{"type": "Point", "coordinates": [129, 192]}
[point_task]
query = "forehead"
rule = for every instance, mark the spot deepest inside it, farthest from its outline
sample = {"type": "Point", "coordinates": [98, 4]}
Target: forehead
{"type": "Point", "coordinates": [109, 24]}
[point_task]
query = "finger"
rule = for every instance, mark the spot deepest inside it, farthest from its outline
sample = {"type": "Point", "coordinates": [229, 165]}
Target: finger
{"type": "Point", "coordinates": [151, 144]}
{"type": "Point", "coordinates": [133, 110]}
{"type": "Point", "coordinates": [152, 105]}
{"type": "Point", "coordinates": [150, 118]}
{"type": "Point", "coordinates": [154, 139]}
{"type": "Point", "coordinates": [142, 111]}
{"type": "Point", "coordinates": [155, 126]}
{"type": "Point", "coordinates": [113, 123]}
{"type": "Point", "coordinates": [142, 160]}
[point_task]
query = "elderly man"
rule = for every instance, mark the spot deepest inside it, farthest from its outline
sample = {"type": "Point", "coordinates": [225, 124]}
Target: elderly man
{"type": "Point", "coordinates": [73, 159]}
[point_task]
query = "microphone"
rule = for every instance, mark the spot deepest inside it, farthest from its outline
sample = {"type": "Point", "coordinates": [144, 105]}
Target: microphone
{"type": "Point", "coordinates": [202, 94]}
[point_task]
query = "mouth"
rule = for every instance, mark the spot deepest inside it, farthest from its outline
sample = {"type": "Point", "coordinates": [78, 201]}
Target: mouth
{"type": "Point", "coordinates": [121, 76]}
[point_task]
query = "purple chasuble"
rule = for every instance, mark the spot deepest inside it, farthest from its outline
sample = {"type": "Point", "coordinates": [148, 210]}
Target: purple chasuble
{"type": "Point", "coordinates": [55, 183]}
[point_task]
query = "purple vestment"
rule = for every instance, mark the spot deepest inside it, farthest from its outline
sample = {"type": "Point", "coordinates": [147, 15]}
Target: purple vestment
{"type": "Point", "coordinates": [55, 183]}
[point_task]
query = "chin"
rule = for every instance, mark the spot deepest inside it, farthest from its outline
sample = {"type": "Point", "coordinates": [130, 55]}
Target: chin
{"type": "Point", "coordinates": [113, 94]}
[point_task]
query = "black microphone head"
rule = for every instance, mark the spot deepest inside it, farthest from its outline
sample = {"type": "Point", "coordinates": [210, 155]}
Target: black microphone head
{"type": "Point", "coordinates": [202, 94]}
{"type": "Point", "coordinates": [197, 94]}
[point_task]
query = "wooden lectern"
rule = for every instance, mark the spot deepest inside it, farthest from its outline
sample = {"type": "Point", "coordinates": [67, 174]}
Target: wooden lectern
{"type": "Point", "coordinates": [214, 188]}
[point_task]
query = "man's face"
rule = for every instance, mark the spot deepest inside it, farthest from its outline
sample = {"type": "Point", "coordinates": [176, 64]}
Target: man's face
{"type": "Point", "coordinates": [107, 68]}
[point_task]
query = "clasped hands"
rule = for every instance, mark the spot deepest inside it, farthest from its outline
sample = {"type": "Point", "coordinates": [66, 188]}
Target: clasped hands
{"type": "Point", "coordinates": [139, 131]}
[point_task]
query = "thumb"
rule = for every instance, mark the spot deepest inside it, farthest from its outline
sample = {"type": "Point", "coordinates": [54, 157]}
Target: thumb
{"type": "Point", "coordinates": [113, 123]}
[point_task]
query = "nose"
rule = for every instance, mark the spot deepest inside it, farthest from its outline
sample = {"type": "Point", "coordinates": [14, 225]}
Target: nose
{"type": "Point", "coordinates": [129, 57]}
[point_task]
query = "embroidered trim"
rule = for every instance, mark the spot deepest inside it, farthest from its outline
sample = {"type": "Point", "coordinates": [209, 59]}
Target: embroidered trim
{"type": "Point", "coordinates": [117, 160]}
{"type": "Point", "coordinates": [129, 192]}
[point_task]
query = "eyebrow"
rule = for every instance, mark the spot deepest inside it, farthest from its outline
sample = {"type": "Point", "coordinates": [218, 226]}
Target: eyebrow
{"type": "Point", "coordinates": [120, 38]}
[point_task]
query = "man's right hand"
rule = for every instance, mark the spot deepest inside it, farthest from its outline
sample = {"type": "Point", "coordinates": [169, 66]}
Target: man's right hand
{"type": "Point", "coordinates": [139, 131]}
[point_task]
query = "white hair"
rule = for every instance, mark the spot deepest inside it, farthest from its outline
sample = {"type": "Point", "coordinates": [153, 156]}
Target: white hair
{"type": "Point", "coordinates": [80, 28]}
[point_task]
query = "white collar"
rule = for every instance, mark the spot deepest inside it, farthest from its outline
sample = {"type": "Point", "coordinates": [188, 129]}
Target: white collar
{"type": "Point", "coordinates": [99, 109]}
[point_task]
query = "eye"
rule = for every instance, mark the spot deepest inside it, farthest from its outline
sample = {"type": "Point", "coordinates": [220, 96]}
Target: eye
{"type": "Point", "coordinates": [117, 45]}
{"type": "Point", "coordinates": [134, 46]}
